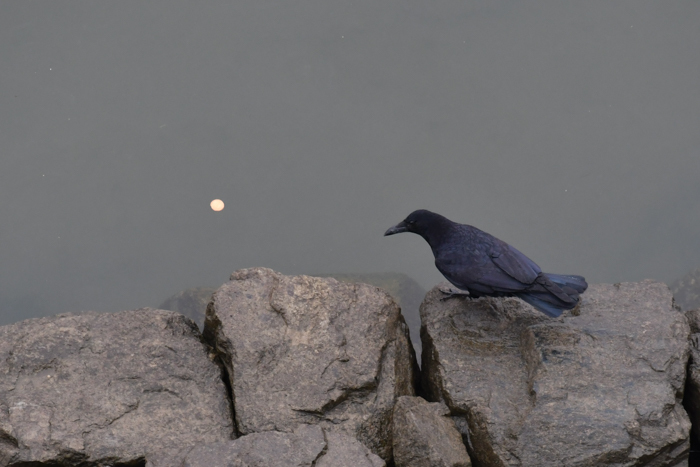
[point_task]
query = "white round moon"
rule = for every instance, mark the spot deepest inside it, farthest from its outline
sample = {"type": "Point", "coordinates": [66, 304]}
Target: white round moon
{"type": "Point", "coordinates": [217, 205]}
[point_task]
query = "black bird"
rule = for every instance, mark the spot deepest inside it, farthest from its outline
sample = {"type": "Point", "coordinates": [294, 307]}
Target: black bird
{"type": "Point", "coordinates": [483, 265]}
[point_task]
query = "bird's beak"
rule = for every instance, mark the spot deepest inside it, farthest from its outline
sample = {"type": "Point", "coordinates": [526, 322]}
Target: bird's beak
{"type": "Point", "coordinates": [398, 228]}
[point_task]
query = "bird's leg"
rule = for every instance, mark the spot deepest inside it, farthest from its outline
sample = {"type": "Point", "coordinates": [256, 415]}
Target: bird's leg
{"type": "Point", "coordinates": [452, 293]}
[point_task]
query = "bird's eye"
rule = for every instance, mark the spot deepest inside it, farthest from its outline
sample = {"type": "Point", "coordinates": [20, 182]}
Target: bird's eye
{"type": "Point", "coordinates": [411, 222]}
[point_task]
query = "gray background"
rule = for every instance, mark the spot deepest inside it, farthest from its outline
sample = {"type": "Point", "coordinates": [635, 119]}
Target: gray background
{"type": "Point", "coordinates": [568, 129]}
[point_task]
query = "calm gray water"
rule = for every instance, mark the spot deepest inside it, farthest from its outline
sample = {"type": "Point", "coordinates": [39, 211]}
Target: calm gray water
{"type": "Point", "coordinates": [568, 129]}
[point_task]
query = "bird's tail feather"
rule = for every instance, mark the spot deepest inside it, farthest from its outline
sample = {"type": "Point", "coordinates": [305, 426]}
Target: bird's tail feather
{"type": "Point", "coordinates": [548, 309]}
{"type": "Point", "coordinates": [562, 293]}
{"type": "Point", "coordinates": [577, 283]}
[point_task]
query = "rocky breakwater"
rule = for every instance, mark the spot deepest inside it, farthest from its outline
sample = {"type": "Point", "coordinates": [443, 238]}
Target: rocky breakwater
{"type": "Point", "coordinates": [309, 350]}
{"type": "Point", "coordinates": [311, 368]}
{"type": "Point", "coordinates": [600, 386]}
{"type": "Point", "coordinates": [307, 371]}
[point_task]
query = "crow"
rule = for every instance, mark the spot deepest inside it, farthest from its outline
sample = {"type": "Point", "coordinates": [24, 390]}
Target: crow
{"type": "Point", "coordinates": [479, 263]}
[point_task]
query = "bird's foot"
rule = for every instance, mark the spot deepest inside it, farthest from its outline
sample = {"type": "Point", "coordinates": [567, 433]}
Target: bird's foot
{"type": "Point", "coordinates": [452, 293]}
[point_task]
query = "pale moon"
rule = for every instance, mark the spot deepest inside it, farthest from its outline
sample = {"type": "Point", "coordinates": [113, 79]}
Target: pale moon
{"type": "Point", "coordinates": [217, 205]}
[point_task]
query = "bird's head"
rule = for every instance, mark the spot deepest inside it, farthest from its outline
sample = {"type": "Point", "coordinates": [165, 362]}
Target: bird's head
{"type": "Point", "coordinates": [419, 222]}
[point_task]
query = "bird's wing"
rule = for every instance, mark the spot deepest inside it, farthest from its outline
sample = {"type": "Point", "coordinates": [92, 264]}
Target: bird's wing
{"type": "Point", "coordinates": [477, 261]}
{"type": "Point", "coordinates": [512, 262]}
{"type": "Point", "coordinates": [523, 269]}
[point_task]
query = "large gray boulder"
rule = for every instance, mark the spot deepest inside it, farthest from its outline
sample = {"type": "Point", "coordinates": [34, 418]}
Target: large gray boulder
{"type": "Point", "coordinates": [306, 446]}
{"type": "Point", "coordinates": [309, 350]}
{"type": "Point", "coordinates": [96, 389]}
{"type": "Point", "coordinates": [599, 386]}
{"type": "Point", "coordinates": [426, 436]}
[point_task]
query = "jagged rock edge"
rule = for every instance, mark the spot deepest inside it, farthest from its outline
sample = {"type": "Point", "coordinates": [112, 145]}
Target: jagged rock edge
{"type": "Point", "coordinates": [210, 336]}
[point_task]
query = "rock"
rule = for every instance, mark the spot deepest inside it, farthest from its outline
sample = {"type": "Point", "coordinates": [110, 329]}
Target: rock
{"type": "Point", "coordinates": [404, 290]}
{"type": "Point", "coordinates": [686, 290]}
{"type": "Point", "coordinates": [691, 398]}
{"type": "Point", "coordinates": [191, 303]}
{"type": "Point", "coordinates": [272, 449]}
{"type": "Point", "coordinates": [426, 436]}
{"type": "Point", "coordinates": [95, 389]}
{"type": "Point", "coordinates": [307, 445]}
{"type": "Point", "coordinates": [601, 385]}
{"type": "Point", "coordinates": [693, 321]}
{"type": "Point", "coordinates": [345, 451]}
{"type": "Point", "coordinates": [309, 350]}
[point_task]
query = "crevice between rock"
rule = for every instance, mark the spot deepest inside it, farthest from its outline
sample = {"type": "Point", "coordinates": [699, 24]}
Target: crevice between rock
{"type": "Point", "coordinates": [212, 326]}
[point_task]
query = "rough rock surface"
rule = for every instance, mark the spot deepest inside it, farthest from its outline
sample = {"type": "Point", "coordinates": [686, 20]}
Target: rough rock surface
{"type": "Point", "coordinates": [344, 451]}
{"type": "Point", "coordinates": [101, 389]}
{"type": "Point", "coordinates": [426, 436]}
{"type": "Point", "coordinates": [405, 291]}
{"type": "Point", "coordinates": [601, 385]}
{"type": "Point", "coordinates": [686, 290]}
{"type": "Point", "coordinates": [307, 445]}
{"type": "Point", "coordinates": [691, 399]}
{"type": "Point", "coordinates": [191, 303]}
{"type": "Point", "coordinates": [301, 349]}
